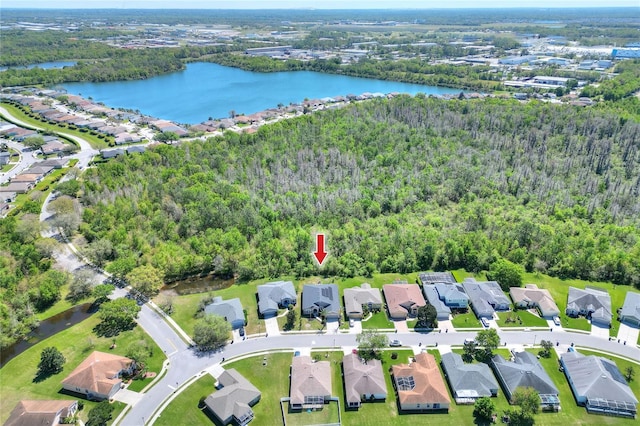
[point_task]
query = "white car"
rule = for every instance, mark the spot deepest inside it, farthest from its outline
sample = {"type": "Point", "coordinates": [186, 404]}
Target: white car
{"type": "Point", "coordinates": [351, 322]}
{"type": "Point", "coordinates": [395, 343]}
{"type": "Point", "coordinates": [556, 321]}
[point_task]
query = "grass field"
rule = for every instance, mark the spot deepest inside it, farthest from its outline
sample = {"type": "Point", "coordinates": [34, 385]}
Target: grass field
{"type": "Point", "coordinates": [94, 141]}
{"type": "Point", "coordinates": [528, 319]}
{"type": "Point", "coordinates": [466, 320]}
{"type": "Point", "coordinates": [378, 321]}
{"type": "Point", "coordinates": [184, 409]}
{"type": "Point", "coordinates": [75, 343]}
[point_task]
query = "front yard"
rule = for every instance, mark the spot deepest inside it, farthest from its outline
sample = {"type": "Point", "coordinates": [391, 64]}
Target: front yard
{"type": "Point", "coordinates": [522, 318]}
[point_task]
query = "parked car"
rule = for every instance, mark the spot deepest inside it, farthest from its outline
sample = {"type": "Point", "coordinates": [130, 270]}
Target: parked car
{"type": "Point", "coordinates": [485, 322]}
{"type": "Point", "coordinates": [556, 321]}
{"type": "Point", "coordinates": [351, 322]}
{"type": "Point", "coordinates": [241, 331]}
{"type": "Point", "coordinates": [395, 343]}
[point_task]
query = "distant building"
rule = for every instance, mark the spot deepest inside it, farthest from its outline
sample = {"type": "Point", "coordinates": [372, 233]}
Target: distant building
{"type": "Point", "coordinates": [598, 385]}
{"type": "Point", "coordinates": [626, 53]}
{"type": "Point", "coordinates": [517, 60]}
{"type": "Point", "coordinates": [269, 51]}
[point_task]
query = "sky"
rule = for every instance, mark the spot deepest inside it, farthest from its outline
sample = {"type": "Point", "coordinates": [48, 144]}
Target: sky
{"type": "Point", "coordinates": [307, 4]}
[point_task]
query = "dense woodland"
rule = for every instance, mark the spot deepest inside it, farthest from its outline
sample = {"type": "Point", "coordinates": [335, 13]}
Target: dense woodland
{"type": "Point", "coordinates": [399, 185]}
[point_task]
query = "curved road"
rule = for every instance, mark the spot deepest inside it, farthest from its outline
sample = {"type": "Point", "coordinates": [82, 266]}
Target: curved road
{"type": "Point", "coordinates": [186, 363]}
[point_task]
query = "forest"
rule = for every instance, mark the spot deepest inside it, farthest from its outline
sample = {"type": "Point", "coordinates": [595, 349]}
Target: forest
{"type": "Point", "coordinates": [399, 185]}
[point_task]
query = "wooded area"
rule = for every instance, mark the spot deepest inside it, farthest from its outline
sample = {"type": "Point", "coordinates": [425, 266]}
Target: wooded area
{"type": "Point", "coordinates": [399, 185]}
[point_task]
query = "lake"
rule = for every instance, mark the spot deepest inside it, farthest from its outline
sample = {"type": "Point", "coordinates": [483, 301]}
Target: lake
{"type": "Point", "coordinates": [206, 90]}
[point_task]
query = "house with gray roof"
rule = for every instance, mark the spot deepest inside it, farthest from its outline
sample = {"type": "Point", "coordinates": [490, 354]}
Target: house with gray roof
{"type": "Point", "coordinates": [310, 383]}
{"type": "Point", "coordinates": [431, 294]}
{"type": "Point", "coordinates": [275, 295]}
{"type": "Point", "coordinates": [357, 298]}
{"type": "Point", "coordinates": [630, 312]}
{"type": "Point", "coordinates": [363, 381]}
{"type": "Point", "coordinates": [598, 385]}
{"type": "Point", "coordinates": [593, 303]}
{"type": "Point", "coordinates": [485, 297]}
{"type": "Point", "coordinates": [428, 278]}
{"type": "Point", "coordinates": [231, 310]}
{"type": "Point", "coordinates": [526, 371]}
{"type": "Point", "coordinates": [233, 401]}
{"type": "Point", "coordinates": [4, 158]}
{"type": "Point", "coordinates": [468, 381]}
{"type": "Point", "coordinates": [321, 299]}
{"type": "Point", "coordinates": [453, 295]}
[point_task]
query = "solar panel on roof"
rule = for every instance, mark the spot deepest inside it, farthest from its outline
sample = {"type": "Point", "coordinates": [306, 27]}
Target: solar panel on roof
{"type": "Point", "coordinates": [405, 383]}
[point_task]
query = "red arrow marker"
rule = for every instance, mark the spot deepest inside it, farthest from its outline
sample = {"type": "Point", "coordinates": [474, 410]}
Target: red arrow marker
{"type": "Point", "coordinates": [320, 254]}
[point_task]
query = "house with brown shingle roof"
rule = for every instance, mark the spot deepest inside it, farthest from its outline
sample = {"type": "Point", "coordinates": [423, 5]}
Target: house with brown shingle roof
{"type": "Point", "coordinates": [363, 381]}
{"type": "Point", "coordinates": [403, 300]}
{"type": "Point", "coordinates": [99, 375]}
{"type": "Point", "coordinates": [310, 383]}
{"type": "Point", "coordinates": [533, 297]}
{"type": "Point", "coordinates": [420, 385]}
{"type": "Point", "coordinates": [41, 412]}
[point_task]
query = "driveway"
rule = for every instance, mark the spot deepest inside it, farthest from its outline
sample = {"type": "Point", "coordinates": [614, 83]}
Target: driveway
{"type": "Point", "coordinates": [628, 333]}
{"type": "Point", "coordinates": [401, 326]}
{"type": "Point", "coordinates": [446, 325]}
{"type": "Point", "coordinates": [357, 327]}
{"type": "Point", "coordinates": [599, 331]}
{"type": "Point", "coordinates": [127, 396]}
{"type": "Point", "coordinates": [271, 326]}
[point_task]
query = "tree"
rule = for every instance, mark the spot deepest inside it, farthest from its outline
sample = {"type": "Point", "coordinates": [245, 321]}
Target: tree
{"type": "Point", "coordinates": [102, 292]}
{"type": "Point", "coordinates": [506, 273]}
{"type": "Point", "coordinates": [291, 319]}
{"type": "Point", "coordinates": [629, 372]}
{"type": "Point", "coordinates": [370, 342]}
{"type": "Point", "coordinates": [99, 251]}
{"type": "Point", "coordinates": [51, 362]}
{"type": "Point", "coordinates": [547, 345]}
{"type": "Point", "coordinates": [62, 205]}
{"type": "Point", "coordinates": [100, 414]}
{"type": "Point", "coordinates": [139, 351]}
{"type": "Point", "coordinates": [211, 332]}
{"type": "Point", "coordinates": [167, 137]}
{"type": "Point", "coordinates": [484, 408]}
{"type": "Point", "coordinates": [147, 279]}
{"type": "Point", "coordinates": [469, 351]}
{"type": "Point", "coordinates": [80, 287]}
{"type": "Point", "coordinates": [428, 316]}
{"type": "Point", "coordinates": [488, 340]}
{"type": "Point", "coordinates": [117, 316]}
{"type": "Point", "coordinates": [528, 399]}
{"type": "Point", "coordinates": [33, 142]}
{"type": "Point", "coordinates": [518, 417]}
{"type": "Point", "coordinates": [68, 222]}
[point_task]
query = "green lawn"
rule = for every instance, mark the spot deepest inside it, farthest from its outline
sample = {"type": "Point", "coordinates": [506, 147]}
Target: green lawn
{"type": "Point", "coordinates": [327, 415]}
{"type": "Point", "coordinates": [466, 320]}
{"type": "Point", "coordinates": [528, 319]}
{"type": "Point", "coordinates": [378, 321]}
{"type": "Point", "coordinates": [184, 409]}
{"type": "Point", "coordinates": [75, 343]}
{"type": "Point", "coordinates": [94, 141]}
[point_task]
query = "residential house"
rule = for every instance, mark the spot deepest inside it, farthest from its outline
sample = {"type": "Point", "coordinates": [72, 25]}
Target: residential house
{"type": "Point", "coordinates": [598, 385]}
{"type": "Point", "coordinates": [453, 295]}
{"type": "Point", "coordinates": [533, 297]}
{"type": "Point", "coordinates": [136, 149]}
{"type": "Point", "coordinates": [321, 299]}
{"type": "Point", "coordinates": [232, 403]}
{"type": "Point", "coordinates": [593, 303]}
{"type": "Point", "coordinates": [420, 386]}
{"type": "Point", "coordinates": [32, 178]}
{"type": "Point", "coordinates": [526, 371]}
{"type": "Point", "coordinates": [468, 382]}
{"type": "Point", "coordinates": [485, 297]}
{"type": "Point", "coordinates": [429, 278]}
{"type": "Point", "coordinates": [52, 147]}
{"type": "Point", "coordinates": [630, 312]}
{"type": "Point", "coordinates": [310, 383]}
{"type": "Point", "coordinates": [363, 380]}
{"type": "Point", "coordinates": [231, 310]}
{"type": "Point", "coordinates": [356, 299]}
{"type": "Point", "coordinates": [442, 310]}
{"type": "Point", "coordinates": [403, 300]}
{"type": "Point", "coordinates": [6, 196]}
{"type": "Point", "coordinates": [56, 163]}
{"type": "Point", "coordinates": [5, 156]}
{"type": "Point", "coordinates": [39, 169]}
{"type": "Point", "coordinates": [112, 153]}
{"type": "Point", "coordinates": [41, 412]}
{"type": "Point", "coordinates": [275, 295]}
{"type": "Point", "coordinates": [98, 377]}
{"type": "Point", "coordinates": [18, 187]}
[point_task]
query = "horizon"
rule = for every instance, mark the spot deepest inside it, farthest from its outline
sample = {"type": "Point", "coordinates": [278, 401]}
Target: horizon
{"type": "Point", "coordinates": [312, 5]}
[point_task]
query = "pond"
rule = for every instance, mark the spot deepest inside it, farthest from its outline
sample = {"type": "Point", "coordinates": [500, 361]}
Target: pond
{"type": "Point", "coordinates": [199, 284]}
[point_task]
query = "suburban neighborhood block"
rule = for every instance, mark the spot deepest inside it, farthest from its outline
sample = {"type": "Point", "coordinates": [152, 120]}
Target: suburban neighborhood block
{"type": "Point", "coordinates": [486, 297]}
{"type": "Point", "coordinates": [357, 298]}
{"type": "Point", "coordinates": [530, 296]}
{"type": "Point", "coordinates": [275, 295]}
{"type": "Point", "coordinates": [598, 385]}
{"type": "Point", "coordinates": [231, 310]}
{"type": "Point", "coordinates": [41, 412]}
{"type": "Point", "coordinates": [363, 380]}
{"type": "Point", "coordinates": [420, 386]}
{"type": "Point", "coordinates": [310, 383]}
{"type": "Point", "coordinates": [233, 401]}
{"type": "Point", "coordinates": [630, 312]}
{"type": "Point", "coordinates": [403, 300]}
{"type": "Point", "coordinates": [468, 382]}
{"type": "Point", "coordinates": [321, 299]}
{"type": "Point", "coordinates": [526, 371]}
{"type": "Point", "coordinates": [593, 303]}
{"type": "Point", "coordinates": [99, 376]}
